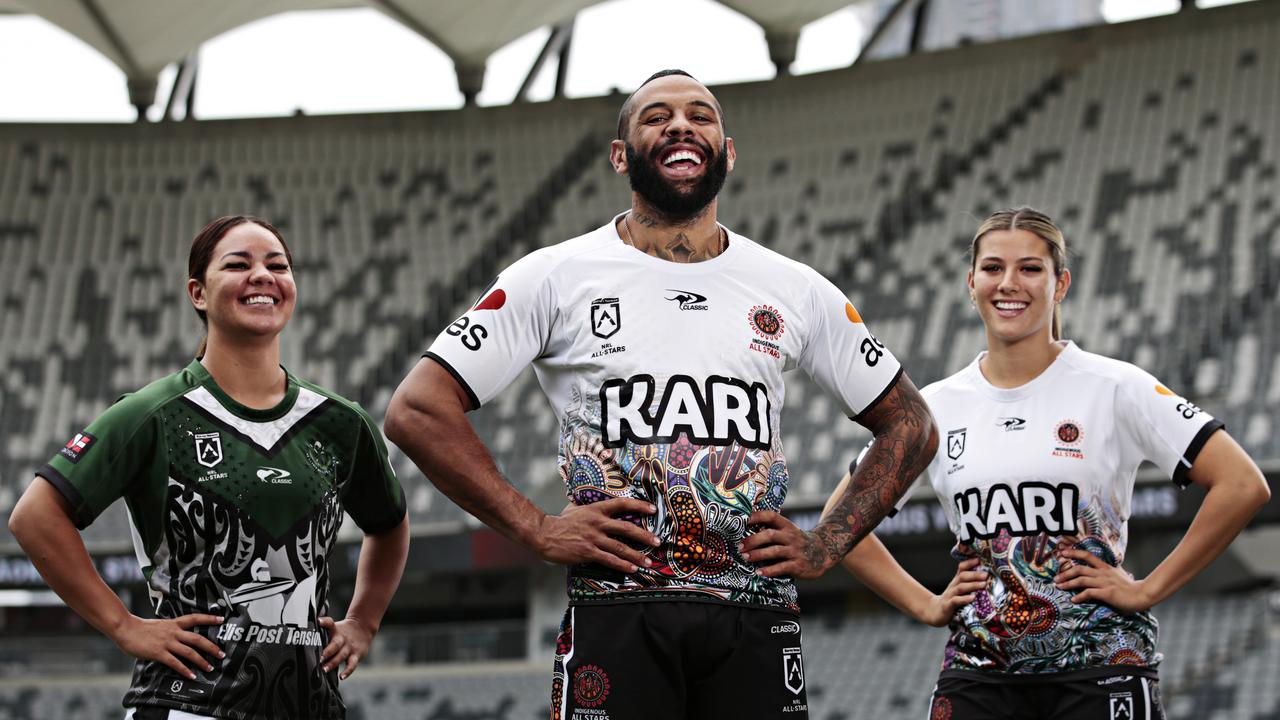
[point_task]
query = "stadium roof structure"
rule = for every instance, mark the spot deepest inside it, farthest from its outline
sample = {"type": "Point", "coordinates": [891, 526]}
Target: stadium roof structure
{"type": "Point", "coordinates": [143, 36]}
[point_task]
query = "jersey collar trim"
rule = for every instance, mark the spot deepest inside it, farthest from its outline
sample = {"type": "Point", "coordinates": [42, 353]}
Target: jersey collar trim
{"type": "Point", "coordinates": [269, 435]}
{"type": "Point", "coordinates": [281, 409]}
{"type": "Point", "coordinates": [1025, 390]}
{"type": "Point", "coordinates": [715, 264]}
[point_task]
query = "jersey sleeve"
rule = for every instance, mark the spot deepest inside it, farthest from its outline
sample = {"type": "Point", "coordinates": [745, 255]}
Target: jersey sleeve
{"type": "Point", "coordinates": [372, 496]}
{"type": "Point", "coordinates": [99, 463]}
{"type": "Point", "coordinates": [507, 328]}
{"type": "Point", "coordinates": [1159, 425]}
{"type": "Point", "coordinates": [842, 355]}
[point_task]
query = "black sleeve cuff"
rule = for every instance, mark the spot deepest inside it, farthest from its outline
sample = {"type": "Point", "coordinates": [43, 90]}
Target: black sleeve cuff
{"type": "Point", "coordinates": [1180, 477]}
{"type": "Point", "coordinates": [385, 524]}
{"type": "Point", "coordinates": [79, 509]}
{"type": "Point", "coordinates": [887, 388]}
{"type": "Point", "coordinates": [471, 395]}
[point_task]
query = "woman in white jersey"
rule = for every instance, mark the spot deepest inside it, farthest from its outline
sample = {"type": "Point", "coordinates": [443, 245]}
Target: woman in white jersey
{"type": "Point", "coordinates": [1043, 441]}
{"type": "Point", "coordinates": [237, 475]}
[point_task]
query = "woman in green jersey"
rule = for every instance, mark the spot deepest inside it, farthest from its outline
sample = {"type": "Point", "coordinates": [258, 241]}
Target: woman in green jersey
{"type": "Point", "coordinates": [236, 475]}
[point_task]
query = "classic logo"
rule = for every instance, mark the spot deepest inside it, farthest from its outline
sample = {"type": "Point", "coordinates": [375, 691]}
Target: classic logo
{"type": "Point", "coordinates": [590, 686]}
{"type": "Point", "coordinates": [77, 446]}
{"type": "Point", "coordinates": [275, 476]}
{"type": "Point", "coordinates": [1011, 424]}
{"type": "Point", "coordinates": [208, 448]}
{"type": "Point", "coordinates": [1035, 507]}
{"type": "Point", "coordinates": [955, 443]}
{"type": "Point", "coordinates": [786, 628]}
{"type": "Point", "coordinates": [792, 670]}
{"type": "Point", "coordinates": [766, 322]}
{"type": "Point", "coordinates": [606, 317]}
{"type": "Point", "coordinates": [724, 411]}
{"type": "Point", "coordinates": [1122, 706]}
{"type": "Point", "coordinates": [688, 300]}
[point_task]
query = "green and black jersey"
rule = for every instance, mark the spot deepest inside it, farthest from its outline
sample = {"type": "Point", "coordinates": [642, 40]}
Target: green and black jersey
{"type": "Point", "coordinates": [234, 512]}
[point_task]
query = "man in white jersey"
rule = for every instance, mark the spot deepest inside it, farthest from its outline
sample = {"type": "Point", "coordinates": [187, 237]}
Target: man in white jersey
{"type": "Point", "coordinates": [660, 340]}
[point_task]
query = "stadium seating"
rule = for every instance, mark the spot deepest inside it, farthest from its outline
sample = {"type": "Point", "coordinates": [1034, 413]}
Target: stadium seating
{"type": "Point", "coordinates": [1152, 143]}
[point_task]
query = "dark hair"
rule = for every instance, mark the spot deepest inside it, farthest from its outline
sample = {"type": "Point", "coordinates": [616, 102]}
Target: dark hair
{"type": "Point", "coordinates": [624, 114]}
{"type": "Point", "coordinates": [1036, 223]}
{"type": "Point", "coordinates": [202, 254]}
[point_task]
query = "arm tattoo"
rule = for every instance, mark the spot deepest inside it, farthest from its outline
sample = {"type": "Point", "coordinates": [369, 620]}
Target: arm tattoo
{"type": "Point", "coordinates": [906, 440]}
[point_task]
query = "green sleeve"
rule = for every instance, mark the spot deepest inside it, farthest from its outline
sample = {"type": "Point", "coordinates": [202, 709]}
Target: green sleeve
{"type": "Point", "coordinates": [98, 464]}
{"type": "Point", "coordinates": [372, 495]}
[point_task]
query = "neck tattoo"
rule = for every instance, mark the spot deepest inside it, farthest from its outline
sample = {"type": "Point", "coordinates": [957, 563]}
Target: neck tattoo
{"type": "Point", "coordinates": [679, 249]}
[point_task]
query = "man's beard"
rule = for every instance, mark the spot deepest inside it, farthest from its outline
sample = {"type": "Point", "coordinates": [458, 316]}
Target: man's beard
{"type": "Point", "coordinates": [675, 204]}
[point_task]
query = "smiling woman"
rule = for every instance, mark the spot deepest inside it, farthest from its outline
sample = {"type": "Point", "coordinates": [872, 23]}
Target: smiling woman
{"type": "Point", "coordinates": [1043, 444]}
{"type": "Point", "coordinates": [236, 474]}
{"type": "Point", "coordinates": [240, 261]}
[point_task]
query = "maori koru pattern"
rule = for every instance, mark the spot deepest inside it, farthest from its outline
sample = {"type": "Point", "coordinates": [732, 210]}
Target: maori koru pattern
{"type": "Point", "coordinates": [271, 591]}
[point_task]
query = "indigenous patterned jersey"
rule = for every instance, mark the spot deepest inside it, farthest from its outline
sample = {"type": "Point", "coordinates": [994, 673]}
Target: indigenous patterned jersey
{"type": "Point", "coordinates": [1027, 472]}
{"type": "Point", "coordinates": [667, 381]}
{"type": "Point", "coordinates": [234, 512]}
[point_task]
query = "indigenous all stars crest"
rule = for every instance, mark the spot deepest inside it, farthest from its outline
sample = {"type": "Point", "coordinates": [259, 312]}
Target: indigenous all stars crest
{"type": "Point", "coordinates": [766, 322]}
{"type": "Point", "coordinates": [590, 686]}
{"type": "Point", "coordinates": [1068, 437]}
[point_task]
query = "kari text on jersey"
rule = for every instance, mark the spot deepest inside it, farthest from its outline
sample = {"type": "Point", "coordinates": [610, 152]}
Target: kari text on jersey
{"type": "Point", "coordinates": [1030, 509]}
{"type": "Point", "coordinates": [729, 410]}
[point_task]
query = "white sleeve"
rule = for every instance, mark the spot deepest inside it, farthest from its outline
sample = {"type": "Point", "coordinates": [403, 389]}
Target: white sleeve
{"type": "Point", "coordinates": [507, 328]}
{"type": "Point", "coordinates": [1159, 425]}
{"type": "Point", "coordinates": [842, 355]}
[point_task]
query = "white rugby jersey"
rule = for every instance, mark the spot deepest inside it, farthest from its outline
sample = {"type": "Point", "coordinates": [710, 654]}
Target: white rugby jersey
{"type": "Point", "coordinates": [667, 382]}
{"type": "Point", "coordinates": [1027, 472]}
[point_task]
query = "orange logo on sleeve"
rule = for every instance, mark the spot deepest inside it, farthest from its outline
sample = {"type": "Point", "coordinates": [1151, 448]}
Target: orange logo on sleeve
{"type": "Point", "coordinates": [1164, 390]}
{"type": "Point", "coordinates": [852, 313]}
